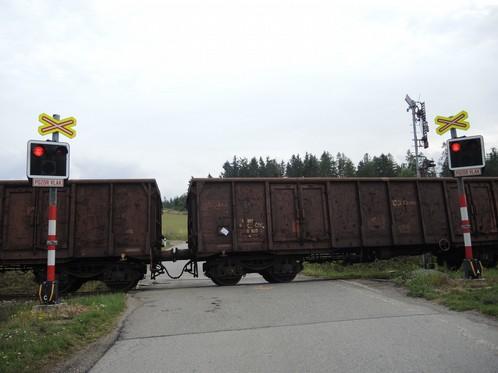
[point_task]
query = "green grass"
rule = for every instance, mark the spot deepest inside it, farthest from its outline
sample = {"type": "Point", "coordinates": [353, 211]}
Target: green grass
{"type": "Point", "coordinates": [382, 269]}
{"type": "Point", "coordinates": [31, 339]}
{"type": "Point", "coordinates": [450, 289]}
{"type": "Point", "coordinates": [174, 225]}
{"type": "Point", "coordinates": [480, 295]}
{"type": "Point", "coordinates": [17, 282]}
{"type": "Point", "coordinates": [423, 283]}
{"type": "Point", "coordinates": [442, 286]}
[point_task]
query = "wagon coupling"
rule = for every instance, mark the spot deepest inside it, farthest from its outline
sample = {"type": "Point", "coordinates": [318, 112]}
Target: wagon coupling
{"type": "Point", "coordinates": [190, 267]}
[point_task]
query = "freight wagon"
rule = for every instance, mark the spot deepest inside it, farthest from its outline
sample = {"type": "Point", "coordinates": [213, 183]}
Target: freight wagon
{"type": "Point", "coordinates": [110, 230]}
{"type": "Point", "coordinates": [271, 225]}
{"type": "Point", "coordinates": [107, 230]}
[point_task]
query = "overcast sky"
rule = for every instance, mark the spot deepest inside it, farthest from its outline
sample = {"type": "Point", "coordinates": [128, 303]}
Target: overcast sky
{"type": "Point", "coordinates": [172, 89]}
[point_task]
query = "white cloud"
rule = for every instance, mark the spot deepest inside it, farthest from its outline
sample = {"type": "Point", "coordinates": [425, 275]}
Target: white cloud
{"type": "Point", "coordinates": [172, 89]}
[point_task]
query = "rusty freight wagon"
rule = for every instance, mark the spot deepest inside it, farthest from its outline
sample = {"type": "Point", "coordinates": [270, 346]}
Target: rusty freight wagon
{"type": "Point", "coordinates": [270, 225]}
{"type": "Point", "coordinates": [107, 230]}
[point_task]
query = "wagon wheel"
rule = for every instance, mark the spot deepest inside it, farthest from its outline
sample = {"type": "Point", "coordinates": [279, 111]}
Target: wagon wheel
{"type": "Point", "coordinates": [226, 281]}
{"type": "Point", "coordinates": [275, 278]}
{"type": "Point", "coordinates": [122, 276]}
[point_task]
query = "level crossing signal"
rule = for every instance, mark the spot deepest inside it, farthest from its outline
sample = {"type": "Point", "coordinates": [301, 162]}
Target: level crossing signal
{"type": "Point", "coordinates": [466, 152]}
{"type": "Point", "coordinates": [47, 160]}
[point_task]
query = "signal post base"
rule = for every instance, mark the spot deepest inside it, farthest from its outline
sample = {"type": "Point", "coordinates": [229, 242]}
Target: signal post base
{"type": "Point", "coordinates": [48, 308]}
{"type": "Point", "coordinates": [472, 269]}
{"type": "Point", "coordinates": [48, 292]}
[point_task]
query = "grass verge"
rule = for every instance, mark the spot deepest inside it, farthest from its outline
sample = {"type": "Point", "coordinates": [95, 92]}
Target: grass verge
{"type": "Point", "coordinates": [442, 286]}
{"type": "Point", "coordinates": [34, 340]}
{"type": "Point", "coordinates": [174, 225]}
{"type": "Point", "coordinates": [450, 289]}
{"type": "Point", "coordinates": [17, 282]}
{"type": "Point", "coordinates": [383, 269]}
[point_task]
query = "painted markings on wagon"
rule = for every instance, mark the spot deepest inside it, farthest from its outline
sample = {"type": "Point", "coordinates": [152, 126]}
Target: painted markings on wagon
{"type": "Point", "coordinates": [51, 125]}
{"type": "Point", "coordinates": [403, 202]}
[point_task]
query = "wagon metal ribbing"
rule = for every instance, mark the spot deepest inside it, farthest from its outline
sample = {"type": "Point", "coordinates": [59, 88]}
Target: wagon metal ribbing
{"type": "Point", "coordinates": [291, 219]}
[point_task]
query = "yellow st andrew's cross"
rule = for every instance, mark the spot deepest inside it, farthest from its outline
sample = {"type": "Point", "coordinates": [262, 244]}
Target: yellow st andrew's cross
{"type": "Point", "coordinates": [457, 121]}
{"type": "Point", "coordinates": [51, 125]}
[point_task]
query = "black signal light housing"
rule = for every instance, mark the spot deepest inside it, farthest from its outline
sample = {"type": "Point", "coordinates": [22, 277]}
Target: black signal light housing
{"type": "Point", "coordinates": [47, 160]}
{"type": "Point", "coordinates": [466, 152]}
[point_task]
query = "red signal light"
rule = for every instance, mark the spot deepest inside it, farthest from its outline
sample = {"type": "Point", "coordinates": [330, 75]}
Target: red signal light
{"type": "Point", "coordinates": [38, 151]}
{"type": "Point", "coordinates": [456, 147]}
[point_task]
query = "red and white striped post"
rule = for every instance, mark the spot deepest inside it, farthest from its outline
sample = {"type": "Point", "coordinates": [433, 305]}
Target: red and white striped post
{"type": "Point", "coordinates": [464, 213]}
{"type": "Point", "coordinates": [472, 267]}
{"type": "Point", "coordinates": [52, 234]}
{"type": "Point", "coordinates": [48, 292]}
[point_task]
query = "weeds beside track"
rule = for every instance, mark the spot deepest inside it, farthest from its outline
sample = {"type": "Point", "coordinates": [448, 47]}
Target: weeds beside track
{"type": "Point", "coordinates": [440, 285]}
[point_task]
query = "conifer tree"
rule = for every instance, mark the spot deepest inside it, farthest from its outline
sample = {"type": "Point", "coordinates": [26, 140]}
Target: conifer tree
{"type": "Point", "coordinates": [311, 166]}
{"type": "Point", "coordinates": [253, 168]}
{"type": "Point", "coordinates": [328, 165]}
{"type": "Point", "coordinates": [384, 166]}
{"type": "Point", "coordinates": [366, 167]}
{"type": "Point", "coordinates": [345, 166]}
{"type": "Point", "coordinates": [491, 168]}
{"type": "Point", "coordinates": [295, 167]}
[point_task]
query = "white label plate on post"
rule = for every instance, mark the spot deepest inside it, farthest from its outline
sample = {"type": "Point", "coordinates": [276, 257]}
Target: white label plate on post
{"type": "Point", "coordinates": [48, 183]}
{"type": "Point", "coordinates": [468, 172]}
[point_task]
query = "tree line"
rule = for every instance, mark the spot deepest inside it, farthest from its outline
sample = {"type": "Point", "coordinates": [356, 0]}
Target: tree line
{"type": "Point", "coordinates": [178, 203]}
{"type": "Point", "coordinates": [327, 165]}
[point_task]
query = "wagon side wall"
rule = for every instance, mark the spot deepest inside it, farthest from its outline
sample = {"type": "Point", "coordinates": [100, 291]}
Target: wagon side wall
{"type": "Point", "coordinates": [311, 215]}
{"type": "Point", "coordinates": [96, 219]}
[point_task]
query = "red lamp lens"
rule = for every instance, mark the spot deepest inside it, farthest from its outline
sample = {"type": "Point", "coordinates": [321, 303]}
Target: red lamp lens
{"type": "Point", "coordinates": [456, 147]}
{"type": "Point", "coordinates": [38, 151]}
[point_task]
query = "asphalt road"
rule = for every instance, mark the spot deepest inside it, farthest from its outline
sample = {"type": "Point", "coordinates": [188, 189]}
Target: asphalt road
{"type": "Point", "coordinates": [191, 325]}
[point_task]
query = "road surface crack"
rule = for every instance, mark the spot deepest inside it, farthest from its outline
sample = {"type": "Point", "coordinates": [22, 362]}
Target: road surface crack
{"type": "Point", "coordinates": [278, 326]}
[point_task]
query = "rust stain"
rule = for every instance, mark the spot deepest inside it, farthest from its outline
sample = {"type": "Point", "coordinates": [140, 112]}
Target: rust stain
{"type": "Point", "coordinates": [376, 223]}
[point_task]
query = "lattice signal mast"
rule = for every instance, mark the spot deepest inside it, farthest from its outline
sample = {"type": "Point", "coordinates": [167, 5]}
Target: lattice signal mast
{"type": "Point", "coordinates": [419, 120]}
